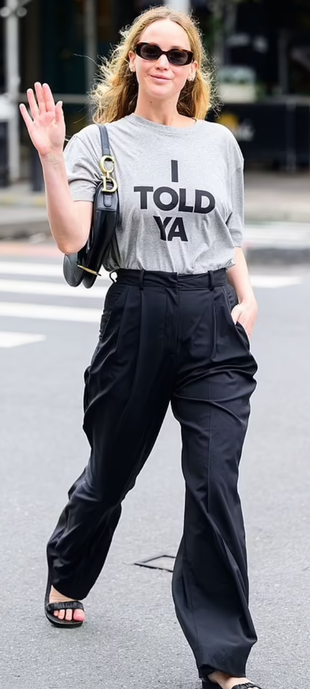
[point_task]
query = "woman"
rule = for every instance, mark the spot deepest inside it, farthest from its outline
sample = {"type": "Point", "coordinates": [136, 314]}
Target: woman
{"type": "Point", "coordinates": [175, 328]}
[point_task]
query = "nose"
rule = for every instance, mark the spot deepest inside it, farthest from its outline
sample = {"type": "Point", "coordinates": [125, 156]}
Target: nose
{"type": "Point", "coordinates": [162, 61]}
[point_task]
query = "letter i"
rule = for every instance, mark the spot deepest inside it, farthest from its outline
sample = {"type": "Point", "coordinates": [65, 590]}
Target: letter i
{"type": "Point", "coordinates": [174, 171]}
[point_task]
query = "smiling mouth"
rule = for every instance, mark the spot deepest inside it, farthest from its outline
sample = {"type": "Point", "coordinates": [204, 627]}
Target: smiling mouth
{"type": "Point", "coordinates": [156, 76]}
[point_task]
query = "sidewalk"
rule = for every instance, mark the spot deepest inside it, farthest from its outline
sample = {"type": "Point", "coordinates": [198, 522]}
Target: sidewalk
{"type": "Point", "coordinates": [277, 197]}
{"type": "Point", "coordinates": [277, 215]}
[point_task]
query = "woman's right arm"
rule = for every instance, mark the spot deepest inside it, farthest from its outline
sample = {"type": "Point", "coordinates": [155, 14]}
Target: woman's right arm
{"type": "Point", "coordinates": [69, 220]}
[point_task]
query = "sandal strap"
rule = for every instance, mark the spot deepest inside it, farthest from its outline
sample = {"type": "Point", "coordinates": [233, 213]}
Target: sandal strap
{"type": "Point", "coordinates": [65, 605]}
{"type": "Point", "coordinates": [246, 685]}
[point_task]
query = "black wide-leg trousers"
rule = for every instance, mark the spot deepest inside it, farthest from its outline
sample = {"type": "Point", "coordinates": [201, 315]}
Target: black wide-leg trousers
{"type": "Point", "coordinates": [169, 338]}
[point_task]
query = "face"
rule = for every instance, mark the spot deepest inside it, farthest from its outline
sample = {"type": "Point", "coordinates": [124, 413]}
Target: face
{"type": "Point", "coordinates": [159, 79]}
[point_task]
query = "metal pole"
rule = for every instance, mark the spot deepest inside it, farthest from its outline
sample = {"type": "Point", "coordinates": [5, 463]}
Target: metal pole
{"type": "Point", "coordinates": [180, 5]}
{"type": "Point", "coordinates": [90, 42]}
{"type": "Point", "coordinates": [12, 86]}
{"type": "Point", "coordinates": [219, 44]}
{"type": "Point", "coordinates": [283, 61]}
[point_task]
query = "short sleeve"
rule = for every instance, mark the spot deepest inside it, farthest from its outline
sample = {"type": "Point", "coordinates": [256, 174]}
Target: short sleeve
{"type": "Point", "coordinates": [82, 154]}
{"type": "Point", "coordinates": [235, 222]}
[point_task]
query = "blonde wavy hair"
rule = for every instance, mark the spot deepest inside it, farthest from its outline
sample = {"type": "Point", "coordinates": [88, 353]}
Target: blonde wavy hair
{"type": "Point", "coordinates": [115, 94]}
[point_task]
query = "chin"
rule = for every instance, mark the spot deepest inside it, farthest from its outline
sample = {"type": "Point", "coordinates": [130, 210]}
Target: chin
{"type": "Point", "coordinates": [160, 91]}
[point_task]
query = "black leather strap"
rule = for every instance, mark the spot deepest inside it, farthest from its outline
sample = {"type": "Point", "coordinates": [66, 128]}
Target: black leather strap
{"type": "Point", "coordinates": [65, 605]}
{"type": "Point", "coordinates": [105, 145]}
{"type": "Point", "coordinates": [104, 140]}
{"type": "Point", "coordinates": [246, 685]}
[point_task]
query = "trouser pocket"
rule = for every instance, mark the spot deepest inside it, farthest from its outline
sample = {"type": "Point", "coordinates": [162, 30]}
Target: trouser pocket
{"type": "Point", "coordinates": [113, 296]}
{"type": "Point", "coordinates": [231, 300]}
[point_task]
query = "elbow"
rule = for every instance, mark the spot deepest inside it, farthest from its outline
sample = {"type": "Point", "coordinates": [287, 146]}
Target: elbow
{"type": "Point", "coordinates": [69, 247]}
{"type": "Point", "coordinates": [68, 241]}
{"type": "Point", "coordinates": [69, 244]}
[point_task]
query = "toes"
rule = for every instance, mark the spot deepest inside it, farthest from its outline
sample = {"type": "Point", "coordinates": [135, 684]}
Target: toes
{"type": "Point", "coordinates": [66, 614]}
{"type": "Point", "coordinates": [69, 615]}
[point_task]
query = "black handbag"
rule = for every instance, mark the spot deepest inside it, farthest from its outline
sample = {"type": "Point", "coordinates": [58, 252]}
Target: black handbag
{"type": "Point", "coordinates": [84, 266]}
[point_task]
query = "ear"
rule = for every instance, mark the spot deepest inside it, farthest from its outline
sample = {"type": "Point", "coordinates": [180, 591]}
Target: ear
{"type": "Point", "coordinates": [193, 70]}
{"type": "Point", "coordinates": [132, 61]}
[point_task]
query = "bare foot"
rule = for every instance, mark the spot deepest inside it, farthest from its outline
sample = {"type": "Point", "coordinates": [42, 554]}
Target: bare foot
{"type": "Point", "coordinates": [228, 682]}
{"type": "Point", "coordinates": [56, 597]}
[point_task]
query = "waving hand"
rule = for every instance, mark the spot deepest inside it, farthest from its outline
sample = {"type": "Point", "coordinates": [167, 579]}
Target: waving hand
{"type": "Point", "coordinates": [46, 125]}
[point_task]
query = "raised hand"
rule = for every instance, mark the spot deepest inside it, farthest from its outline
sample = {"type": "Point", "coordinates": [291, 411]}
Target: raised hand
{"type": "Point", "coordinates": [46, 127]}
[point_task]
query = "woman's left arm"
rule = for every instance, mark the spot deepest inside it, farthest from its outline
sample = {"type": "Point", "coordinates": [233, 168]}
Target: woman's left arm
{"type": "Point", "coordinates": [246, 311]}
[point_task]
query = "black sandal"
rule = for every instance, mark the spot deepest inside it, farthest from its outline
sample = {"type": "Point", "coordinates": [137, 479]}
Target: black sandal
{"type": "Point", "coordinates": [246, 685]}
{"type": "Point", "coordinates": [65, 605]}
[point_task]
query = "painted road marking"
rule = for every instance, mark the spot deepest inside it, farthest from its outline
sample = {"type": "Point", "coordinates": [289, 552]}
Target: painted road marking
{"type": "Point", "coordinates": [50, 313]}
{"type": "Point", "coordinates": [63, 290]}
{"type": "Point", "coordinates": [55, 270]}
{"type": "Point", "coordinates": [52, 288]}
{"type": "Point", "coordinates": [274, 281]}
{"type": "Point", "coordinates": [8, 339]}
{"type": "Point", "coordinates": [38, 269]}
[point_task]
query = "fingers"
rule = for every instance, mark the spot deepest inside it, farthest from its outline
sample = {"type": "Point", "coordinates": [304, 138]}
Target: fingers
{"type": "Point", "coordinates": [49, 102]}
{"type": "Point", "coordinates": [44, 97]}
{"type": "Point", "coordinates": [59, 112]}
{"type": "Point", "coordinates": [240, 316]}
{"type": "Point", "coordinates": [32, 103]}
{"type": "Point", "coordinates": [235, 313]}
{"type": "Point", "coordinates": [40, 97]}
{"type": "Point", "coordinates": [41, 101]}
{"type": "Point", "coordinates": [25, 115]}
{"type": "Point", "coordinates": [246, 323]}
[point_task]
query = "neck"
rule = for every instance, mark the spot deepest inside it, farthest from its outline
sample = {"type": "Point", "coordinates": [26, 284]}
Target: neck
{"type": "Point", "coordinates": [161, 113]}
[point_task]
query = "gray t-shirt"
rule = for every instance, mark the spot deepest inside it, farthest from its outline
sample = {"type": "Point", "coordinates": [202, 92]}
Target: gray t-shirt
{"type": "Point", "coordinates": [180, 192]}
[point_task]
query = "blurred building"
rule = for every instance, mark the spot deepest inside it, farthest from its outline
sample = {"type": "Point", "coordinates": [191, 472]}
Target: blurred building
{"type": "Point", "coordinates": [270, 36]}
{"type": "Point", "coordinates": [262, 49]}
{"type": "Point", "coordinates": [60, 41]}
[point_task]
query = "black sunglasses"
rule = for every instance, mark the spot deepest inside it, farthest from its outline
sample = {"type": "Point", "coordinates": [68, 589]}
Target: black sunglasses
{"type": "Point", "coordinates": [176, 56]}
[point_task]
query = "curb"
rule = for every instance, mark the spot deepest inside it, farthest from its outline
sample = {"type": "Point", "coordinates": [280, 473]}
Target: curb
{"type": "Point", "coordinates": [252, 216]}
{"type": "Point", "coordinates": [18, 231]}
{"type": "Point", "coordinates": [277, 255]}
{"type": "Point", "coordinates": [263, 248]}
{"type": "Point", "coordinates": [266, 216]}
{"type": "Point", "coordinates": [30, 201]}
{"type": "Point", "coordinates": [255, 212]}
{"type": "Point", "coordinates": [255, 254]}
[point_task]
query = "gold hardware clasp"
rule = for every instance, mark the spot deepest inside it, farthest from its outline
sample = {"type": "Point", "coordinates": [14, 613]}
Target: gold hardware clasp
{"type": "Point", "coordinates": [88, 270]}
{"type": "Point", "coordinates": [109, 184]}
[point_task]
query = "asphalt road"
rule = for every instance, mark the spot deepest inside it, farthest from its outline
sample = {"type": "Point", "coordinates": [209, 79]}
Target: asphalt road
{"type": "Point", "coordinates": [131, 638]}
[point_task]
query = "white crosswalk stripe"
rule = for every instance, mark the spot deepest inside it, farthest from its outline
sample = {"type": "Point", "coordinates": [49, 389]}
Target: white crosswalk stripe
{"type": "Point", "coordinates": [33, 269]}
{"type": "Point", "coordinates": [15, 279]}
{"type": "Point", "coordinates": [52, 289]}
{"type": "Point", "coordinates": [8, 339]}
{"type": "Point", "coordinates": [38, 270]}
{"type": "Point", "coordinates": [274, 281]}
{"type": "Point", "coordinates": [48, 312]}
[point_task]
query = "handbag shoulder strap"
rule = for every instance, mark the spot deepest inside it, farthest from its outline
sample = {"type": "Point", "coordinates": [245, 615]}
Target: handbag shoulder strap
{"type": "Point", "coordinates": [105, 145]}
{"type": "Point", "coordinates": [109, 183]}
